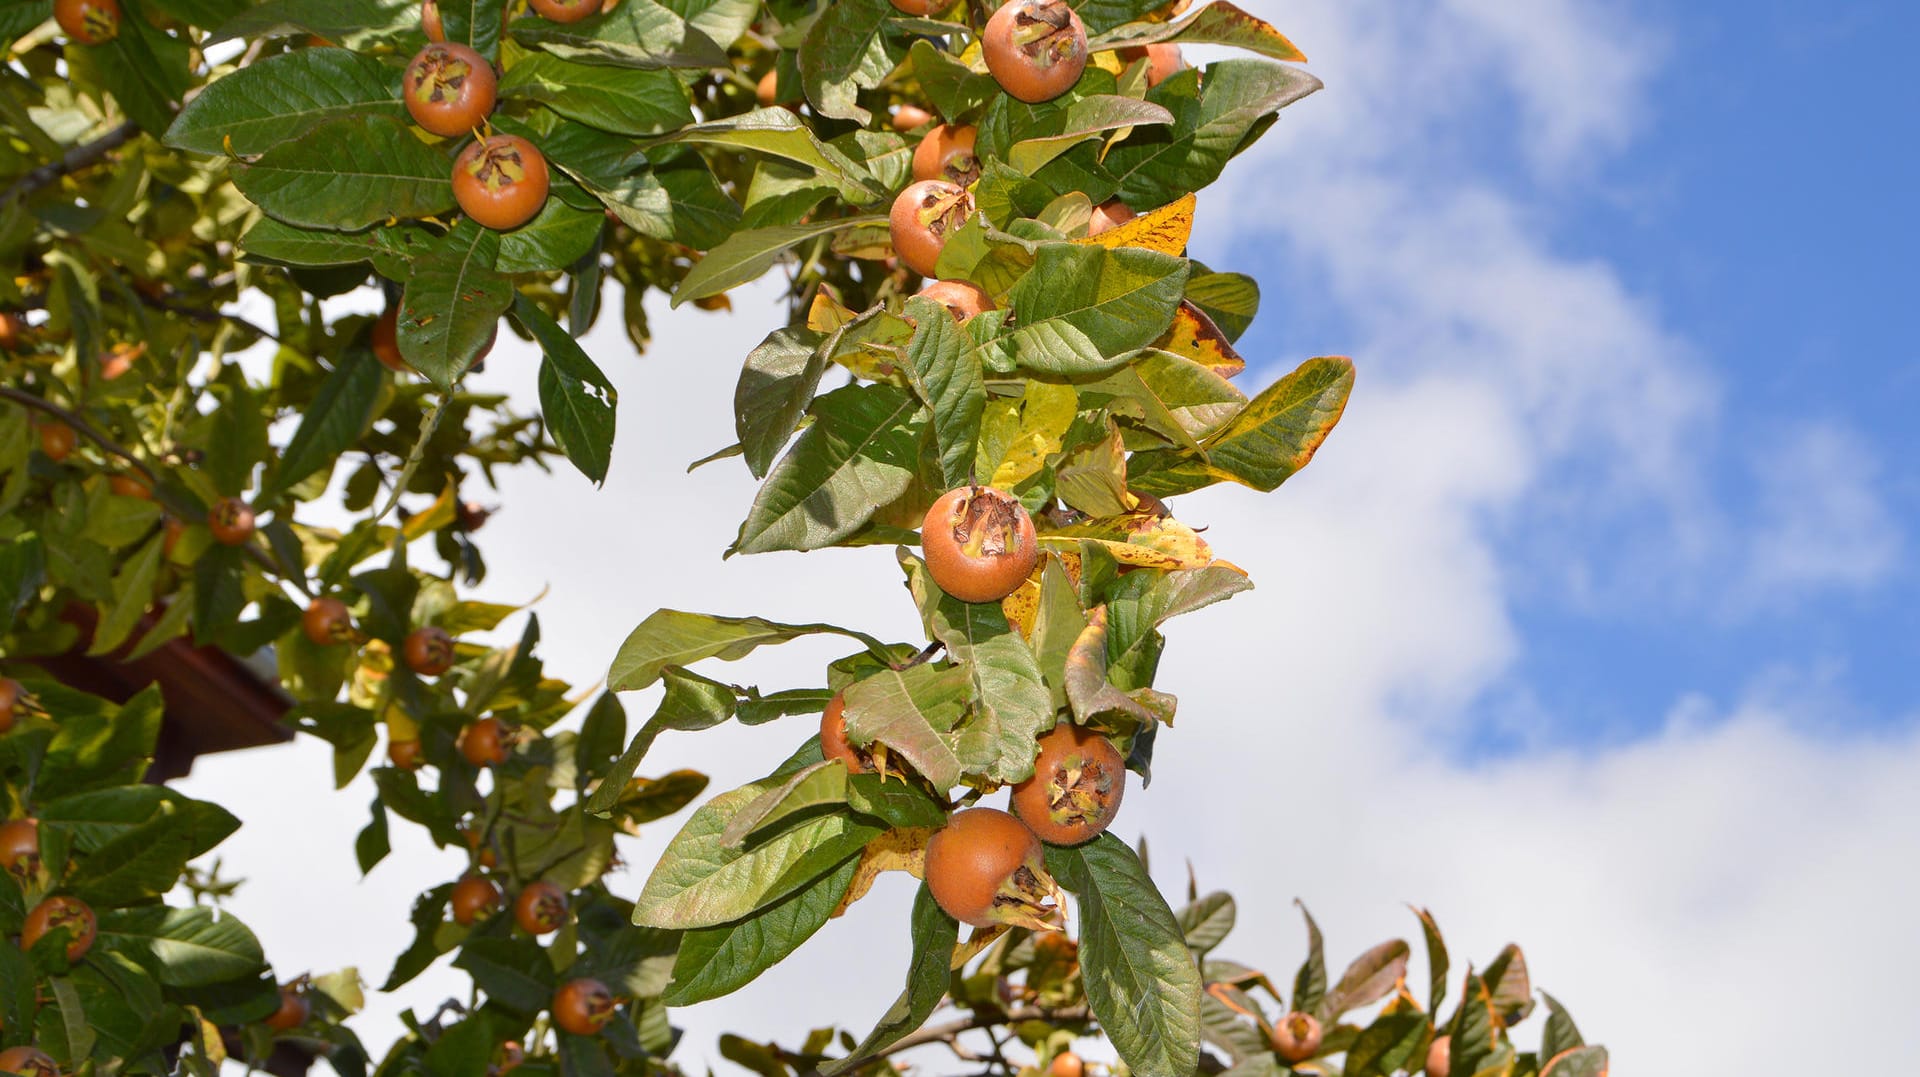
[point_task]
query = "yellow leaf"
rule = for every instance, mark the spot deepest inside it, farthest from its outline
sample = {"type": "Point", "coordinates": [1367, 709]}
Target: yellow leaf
{"type": "Point", "coordinates": [826, 314]}
{"type": "Point", "coordinates": [1166, 229]}
{"type": "Point", "coordinates": [1139, 539]}
{"type": "Point", "coordinates": [1194, 336]}
{"type": "Point", "coordinates": [1038, 423]}
{"type": "Point", "coordinates": [899, 849]}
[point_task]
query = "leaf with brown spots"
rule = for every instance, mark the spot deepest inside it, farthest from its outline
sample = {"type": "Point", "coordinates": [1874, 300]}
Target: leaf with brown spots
{"type": "Point", "coordinates": [1166, 230]}
{"type": "Point", "coordinates": [1194, 336]}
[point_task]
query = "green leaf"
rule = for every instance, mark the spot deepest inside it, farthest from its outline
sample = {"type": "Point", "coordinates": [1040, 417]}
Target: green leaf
{"type": "Point", "coordinates": [947, 375]}
{"type": "Point", "coordinates": [1083, 308]}
{"type": "Point", "coordinates": [717, 961]}
{"type": "Point", "coordinates": [810, 789]}
{"type": "Point", "coordinates": [1141, 982]}
{"type": "Point", "coordinates": [453, 303]}
{"type": "Point", "coordinates": [1206, 922]}
{"type": "Point", "coordinates": [1561, 1033]}
{"type": "Point", "coordinates": [1391, 1044]}
{"type": "Point", "coordinates": [744, 256]}
{"type": "Point", "coordinates": [1577, 1062]}
{"type": "Point", "coordinates": [146, 862]}
{"type": "Point", "coordinates": [23, 568]}
{"type": "Point", "coordinates": [104, 817]}
{"type": "Point", "coordinates": [622, 101]}
{"type": "Point", "coordinates": [934, 936]}
{"type": "Point", "coordinates": [576, 398]}
{"type": "Point", "coordinates": [691, 702]}
{"type": "Point", "coordinates": [637, 34]}
{"type": "Point", "coordinates": [1214, 118]}
{"type": "Point", "coordinates": [464, 1050]}
{"type": "Point", "coordinates": [1437, 963]}
{"type": "Point", "coordinates": [1011, 702]}
{"type": "Point", "coordinates": [282, 97]}
{"type": "Point", "coordinates": [913, 711]}
{"type": "Point", "coordinates": [1177, 398]}
{"type": "Point", "coordinates": [190, 947]}
{"type": "Point", "coordinates": [1230, 299]}
{"type": "Point", "coordinates": [700, 881]}
{"type": "Point", "coordinates": [349, 173]}
{"type": "Point", "coordinates": [861, 452]}
{"type": "Point", "coordinates": [776, 385]}
{"type": "Point", "coordinates": [555, 239]}
{"type": "Point", "coordinates": [132, 595]}
{"type": "Point", "coordinates": [674, 638]}
{"type": "Point", "coordinates": [514, 972]}
{"type": "Point", "coordinates": [1370, 978]}
{"type": "Point", "coordinates": [346, 22]}
{"type": "Point", "coordinates": [341, 410]}
{"type": "Point", "coordinates": [1310, 983]}
{"type": "Point", "coordinates": [1218, 23]}
{"type": "Point", "coordinates": [1510, 986]}
{"type": "Point", "coordinates": [1084, 118]}
{"type": "Point", "coordinates": [1472, 1032]}
{"type": "Point", "coordinates": [845, 52]}
{"type": "Point", "coordinates": [1275, 435]}
{"type": "Point", "coordinates": [373, 843]}
{"type": "Point", "coordinates": [218, 592]}
{"type": "Point", "coordinates": [953, 87]}
{"type": "Point", "coordinates": [390, 249]}
{"type": "Point", "coordinates": [775, 132]}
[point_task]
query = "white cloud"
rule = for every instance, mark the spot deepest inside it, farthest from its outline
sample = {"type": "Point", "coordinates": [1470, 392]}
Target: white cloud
{"type": "Point", "coordinates": [1822, 521]}
{"type": "Point", "coordinates": [1668, 889]}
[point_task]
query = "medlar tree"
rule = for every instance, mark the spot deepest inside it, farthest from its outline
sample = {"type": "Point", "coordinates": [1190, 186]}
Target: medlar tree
{"type": "Point", "coordinates": [983, 218]}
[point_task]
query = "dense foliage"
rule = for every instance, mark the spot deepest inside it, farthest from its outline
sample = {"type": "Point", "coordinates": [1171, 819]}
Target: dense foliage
{"type": "Point", "coordinates": [1022, 424]}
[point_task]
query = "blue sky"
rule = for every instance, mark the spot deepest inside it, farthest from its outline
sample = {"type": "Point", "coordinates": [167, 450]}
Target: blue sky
{"type": "Point", "coordinates": [1763, 211]}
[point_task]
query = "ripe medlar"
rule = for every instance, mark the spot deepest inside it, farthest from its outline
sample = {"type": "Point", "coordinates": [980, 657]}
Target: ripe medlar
{"type": "Point", "coordinates": [231, 521]}
{"type": "Point", "coordinates": [449, 89]}
{"type": "Point", "coordinates": [986, 868]}
{"type": "Point", "coordinates": [541, 908]}
{"type": "Point", "coordinates": [428, 651]}
{"type": "Point", "coordinates": [946, 153]}
{"type": "Point", "coordinates": [484, 742]}
{"type": "Point", "coordinates": [583, 1007]}
{"type": "Point", "coordinates": [1035, 49]}
{"type": "Point", "coordinates": [475, 897]}
{"type": "Point", "coordinates": [293, 1012]}
{"type": "Point", "coordinates": [500, 181]}
{"type": "Point", "coordinates": [326, 622]}
{"type": "Point", "coordinates": [90, 22]}
{"type": "Point", "coordinates": [979, 543]}
{"type": "Point", "coordinates": [20, 847]}
{"type": "Point", "coordinates": [923, 216]}
{"type": "Point", "coordinates": [961, 299]}
{"type": "Point", "coordinates": [1076, 786]}
{"type": "Point", "coordinates": [61, 913]}
{"type": "Point", "coordinates": [1296, 1037]}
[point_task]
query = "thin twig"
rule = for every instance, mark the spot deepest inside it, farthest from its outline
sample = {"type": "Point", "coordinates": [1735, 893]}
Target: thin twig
{"type": "Point", "coordinates": [945, 1033]}
{"type": "Point", "coordinates": [85, 155]}
{"type": "Point", "coordinates": [114, 448]}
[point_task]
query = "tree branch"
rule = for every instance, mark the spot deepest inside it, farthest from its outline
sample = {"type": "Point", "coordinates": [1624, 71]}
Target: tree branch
{"type": "Point", "coordinates": [114, 448]}
{"type": "Point", "coordinates": [85, 155]}
{"type": "Point", "coordinates": [950, 1031]}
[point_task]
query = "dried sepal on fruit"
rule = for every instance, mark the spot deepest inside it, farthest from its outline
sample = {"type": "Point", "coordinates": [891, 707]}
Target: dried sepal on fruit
{"type": "Point", "coordinates": [449, 89]}
{"type": "Point", "coordinates": [500, 181]}
{"type": "Point", "coordinates": [428, 651]}
{"type": "Point", "coordinates": [231, 521]}
{"type": "Point", "coordinates": [923, 217]}
{"type": "Point", "coordinates": [475, 897]}
{"type": "Point", "coordinates": [946, 153]}
{"type": "Point", "coordinates": [327, 622]}
{"type": "Point", "coordinates": [541, 908]}
{"type": "Point", "coordinates": [1296, 1037]}
{"type": "Point", "coordinates": [979, 543]}
{"type": "Point", "coordinates": [90, 22]}
{"type": "Point", "coordinates": [61, 913]}
{"type": "Point", "coordinates": [583, 1006]}
{"type": "Point", "coordinates": [1074, 793]}
{"type": "Point", "coordinates": [293, 1011]}
{"type": "Point", "coordinates": [1035, 49]}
